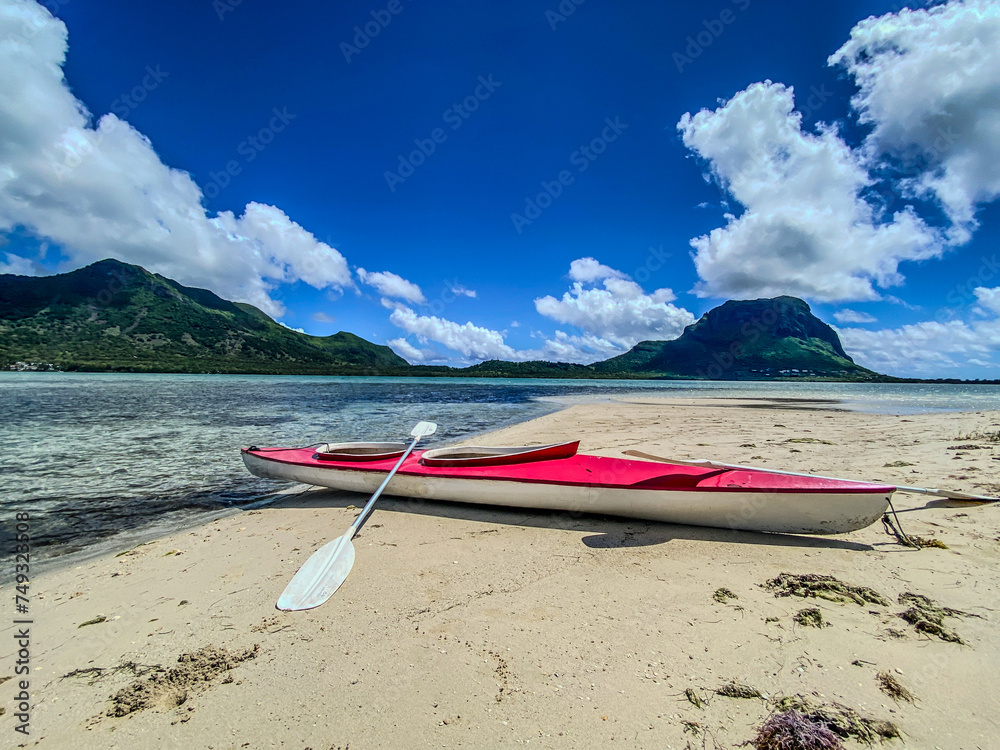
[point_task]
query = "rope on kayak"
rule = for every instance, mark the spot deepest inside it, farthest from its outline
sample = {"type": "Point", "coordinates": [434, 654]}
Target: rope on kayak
{"type": "Point", "coordinates": [896, 529]}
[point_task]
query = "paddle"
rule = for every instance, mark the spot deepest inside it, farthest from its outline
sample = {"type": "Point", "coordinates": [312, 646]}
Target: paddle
{"type": "Point", "coordinates": [703, 463]}
{"type": "Point", "coordinates": [329, 566]}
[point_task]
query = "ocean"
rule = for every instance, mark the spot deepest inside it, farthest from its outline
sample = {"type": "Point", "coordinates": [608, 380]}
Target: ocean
{"type": "Point", "coordinates": [101, 459]}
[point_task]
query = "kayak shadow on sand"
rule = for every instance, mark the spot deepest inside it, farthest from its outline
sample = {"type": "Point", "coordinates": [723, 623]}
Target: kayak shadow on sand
{"type": "Point", "coordinates": [606, 532]}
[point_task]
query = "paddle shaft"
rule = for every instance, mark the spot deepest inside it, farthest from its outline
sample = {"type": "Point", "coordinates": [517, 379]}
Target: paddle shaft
{"type": "Point", "coordinates": [718, 465]}
{"type": "Point", "coordinates": [367, 510]}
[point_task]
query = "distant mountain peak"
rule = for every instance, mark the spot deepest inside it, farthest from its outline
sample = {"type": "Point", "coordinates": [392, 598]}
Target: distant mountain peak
{"type": "Point", "coordinates": [755, 339]}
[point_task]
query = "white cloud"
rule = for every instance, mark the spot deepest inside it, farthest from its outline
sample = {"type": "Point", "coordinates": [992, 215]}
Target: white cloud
{"type": "Point", "coordinates": [467, 338]}
{"type": "Point", "coordinates": [322, 317]}
{"type": "Point", "coordinates": [585, 349]}
{"type": "Point", "coordinates": [612, 317]}
{"type": "Point", "coordinates": [297, 330]}
{"type": "Point", "coordinates": [19, 266]}
{"type": "Point", "coordinates": [618, 311]}
{"type": "Point", "coordinates": [589, 270]}
{"type": "Point", "coordinates": [102, 191]}
{"type": "Point", "coordinates": [989, 299]}
{"type": "Point", "coordinates": [930, 348]}
{"type": "Point", "coordinates": [806, 229]}
{"type": "Point", "coordinates": [930, 88]}
{"type": "Point", "coordinates": [853, 316]}
{"type": "Point", "coordinates": [407, 351]}
{"type": "Point", "coordinates": [922, 350]}
{"type": "Point", "coordinates": [460, 291]}
{"type": "Point", "coordinates": [392, 285]}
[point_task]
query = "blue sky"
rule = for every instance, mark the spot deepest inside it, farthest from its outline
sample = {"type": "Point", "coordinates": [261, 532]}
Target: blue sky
{"type": "Point", "coordinates": [522, 180]}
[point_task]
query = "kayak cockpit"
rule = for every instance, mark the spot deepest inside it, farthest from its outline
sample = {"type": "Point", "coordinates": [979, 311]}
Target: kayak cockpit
{"type": "Point", "coordinates": [487, 456]}
{"type": "Point", "coordinates": [359, 451]}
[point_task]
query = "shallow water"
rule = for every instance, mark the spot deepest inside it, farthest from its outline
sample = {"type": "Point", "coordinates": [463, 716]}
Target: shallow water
{"type": "Point", "coordinates": [90, 456]}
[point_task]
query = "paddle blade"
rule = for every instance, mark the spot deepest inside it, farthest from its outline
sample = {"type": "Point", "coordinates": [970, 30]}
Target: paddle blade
{"type": "Point", "coordinates": [423, 429]}
{"type": "Point", "coordinates": [950, 495]}
{"type": "Point", "coordinates": [320, 576]}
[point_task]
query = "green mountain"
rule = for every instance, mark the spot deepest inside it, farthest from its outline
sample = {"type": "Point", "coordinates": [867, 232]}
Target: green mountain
{"type": "Point", "coordinates": [758, 339]}
{"type": "Point", "coordinates": [112, 316]}
{"type": "Point", "coordinates": [115, 316]}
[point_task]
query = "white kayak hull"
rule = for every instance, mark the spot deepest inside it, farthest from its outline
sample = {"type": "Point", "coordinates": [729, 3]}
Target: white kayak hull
{"type": "Point", "coordinates": [780, 512]}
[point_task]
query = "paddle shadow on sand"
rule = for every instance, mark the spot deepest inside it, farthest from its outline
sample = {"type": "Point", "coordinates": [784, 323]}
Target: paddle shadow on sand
{"type": "Point", "coordinates": [606, 532]}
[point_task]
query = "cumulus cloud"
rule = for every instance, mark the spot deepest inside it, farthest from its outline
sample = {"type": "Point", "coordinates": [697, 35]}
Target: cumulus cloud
{"type": "Point", "coordinates": [612, 312]}
{"type": "Point", "coordinates": [19, 266]}
{"type": "Point", "coordinates": [989, 299]}
{"type": "Point", "coordinates": [806, 228]}
{"type": "Point", "coordinates": [929, 92]}
{"type": "Point", "coordinates": [392, 286]}
{"type": "Point", "coordinates": [460, 291]}
{"type": "Point", "coordinates": [929, 83]}
{"type": "Point", "coordinates": [929, 348]}
{"type": "Point", "coordinates": [469, 339]}
{"type": "Point", "coordinates": [589, 270]}
{"type": "Point", "coordinates": [585, 349]}
{"type": "Point", "coordinates": [100, 189]}
{"type": "Point", "coordinates": [617, 311]}
{"type": "Point", "coordinates": [407, 351]}
{"type": "Point", "coordinates": [853, 316]}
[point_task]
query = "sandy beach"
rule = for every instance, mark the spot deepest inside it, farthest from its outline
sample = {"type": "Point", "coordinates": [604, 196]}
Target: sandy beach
{"type": "Point", "coordinates": [463, 626]}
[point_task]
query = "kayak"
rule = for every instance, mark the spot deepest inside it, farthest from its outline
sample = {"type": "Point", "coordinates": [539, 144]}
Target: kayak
{"type": "Point", "coordinates": [558, 478]}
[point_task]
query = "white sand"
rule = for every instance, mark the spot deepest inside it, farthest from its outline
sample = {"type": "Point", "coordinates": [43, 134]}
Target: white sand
{"type": "Point", "coordinates": [479, 627]}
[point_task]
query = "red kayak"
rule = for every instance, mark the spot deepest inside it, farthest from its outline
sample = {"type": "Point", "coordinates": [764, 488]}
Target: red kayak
{"type": "Point", "coordinates": [556, 477]}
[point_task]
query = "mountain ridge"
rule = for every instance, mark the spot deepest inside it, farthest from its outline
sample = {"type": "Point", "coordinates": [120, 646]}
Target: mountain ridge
{"type": "Point", "coordinates": [112, 315]}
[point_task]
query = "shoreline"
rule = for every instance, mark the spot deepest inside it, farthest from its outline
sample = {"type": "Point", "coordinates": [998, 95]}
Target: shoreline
{"type": "Point", "coordinates": [492, 627]}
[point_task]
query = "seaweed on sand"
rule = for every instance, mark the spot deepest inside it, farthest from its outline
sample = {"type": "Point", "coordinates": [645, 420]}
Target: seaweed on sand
{"type": "Point", "coordinates": [811, 617]}
{"type": "Point", "coordinates": [738, 690]}
{"type": "Point", "coordinates": [792, 730]}
{"type": "Point", "coordinates": [723, 595]}
{"type": "Point", "coordinates": [892, 687]}
{"type": "Point", "coordinates": [693, 698]}
{"type": "Point", "coordinates": [823, 587]}
{"type": "Point", "coordinates": [926, 616]}
{"type": "Point", "coordinates": [841, 720]}
{"type": "Point", "coordinates": [928, 542]}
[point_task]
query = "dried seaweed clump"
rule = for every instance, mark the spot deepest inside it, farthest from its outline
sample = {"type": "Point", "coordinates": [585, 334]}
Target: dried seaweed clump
{"type": "Point", "coordinates": [792, 730]}
{"type": "Point", "coordinates": [892, 687]}
{"type": "Point", "coordinates": [842, 720]}
{"type": "Point", "coordinates": [925, 542]}
{"type": "Point", "coordinates": [823, 587]}
{"type": "Point", "coordinates": [738, 690]}
{"type": "Point", "coordinates": [810, 617]}
{"type": "Point", "coordinates": [169, 687]}
{"type": "Point", "coordinates": [926, 616]}
{"type": "Point", "coordinates": [693, 698]}
{"type": "Point", "coordinates": [723, 595]}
